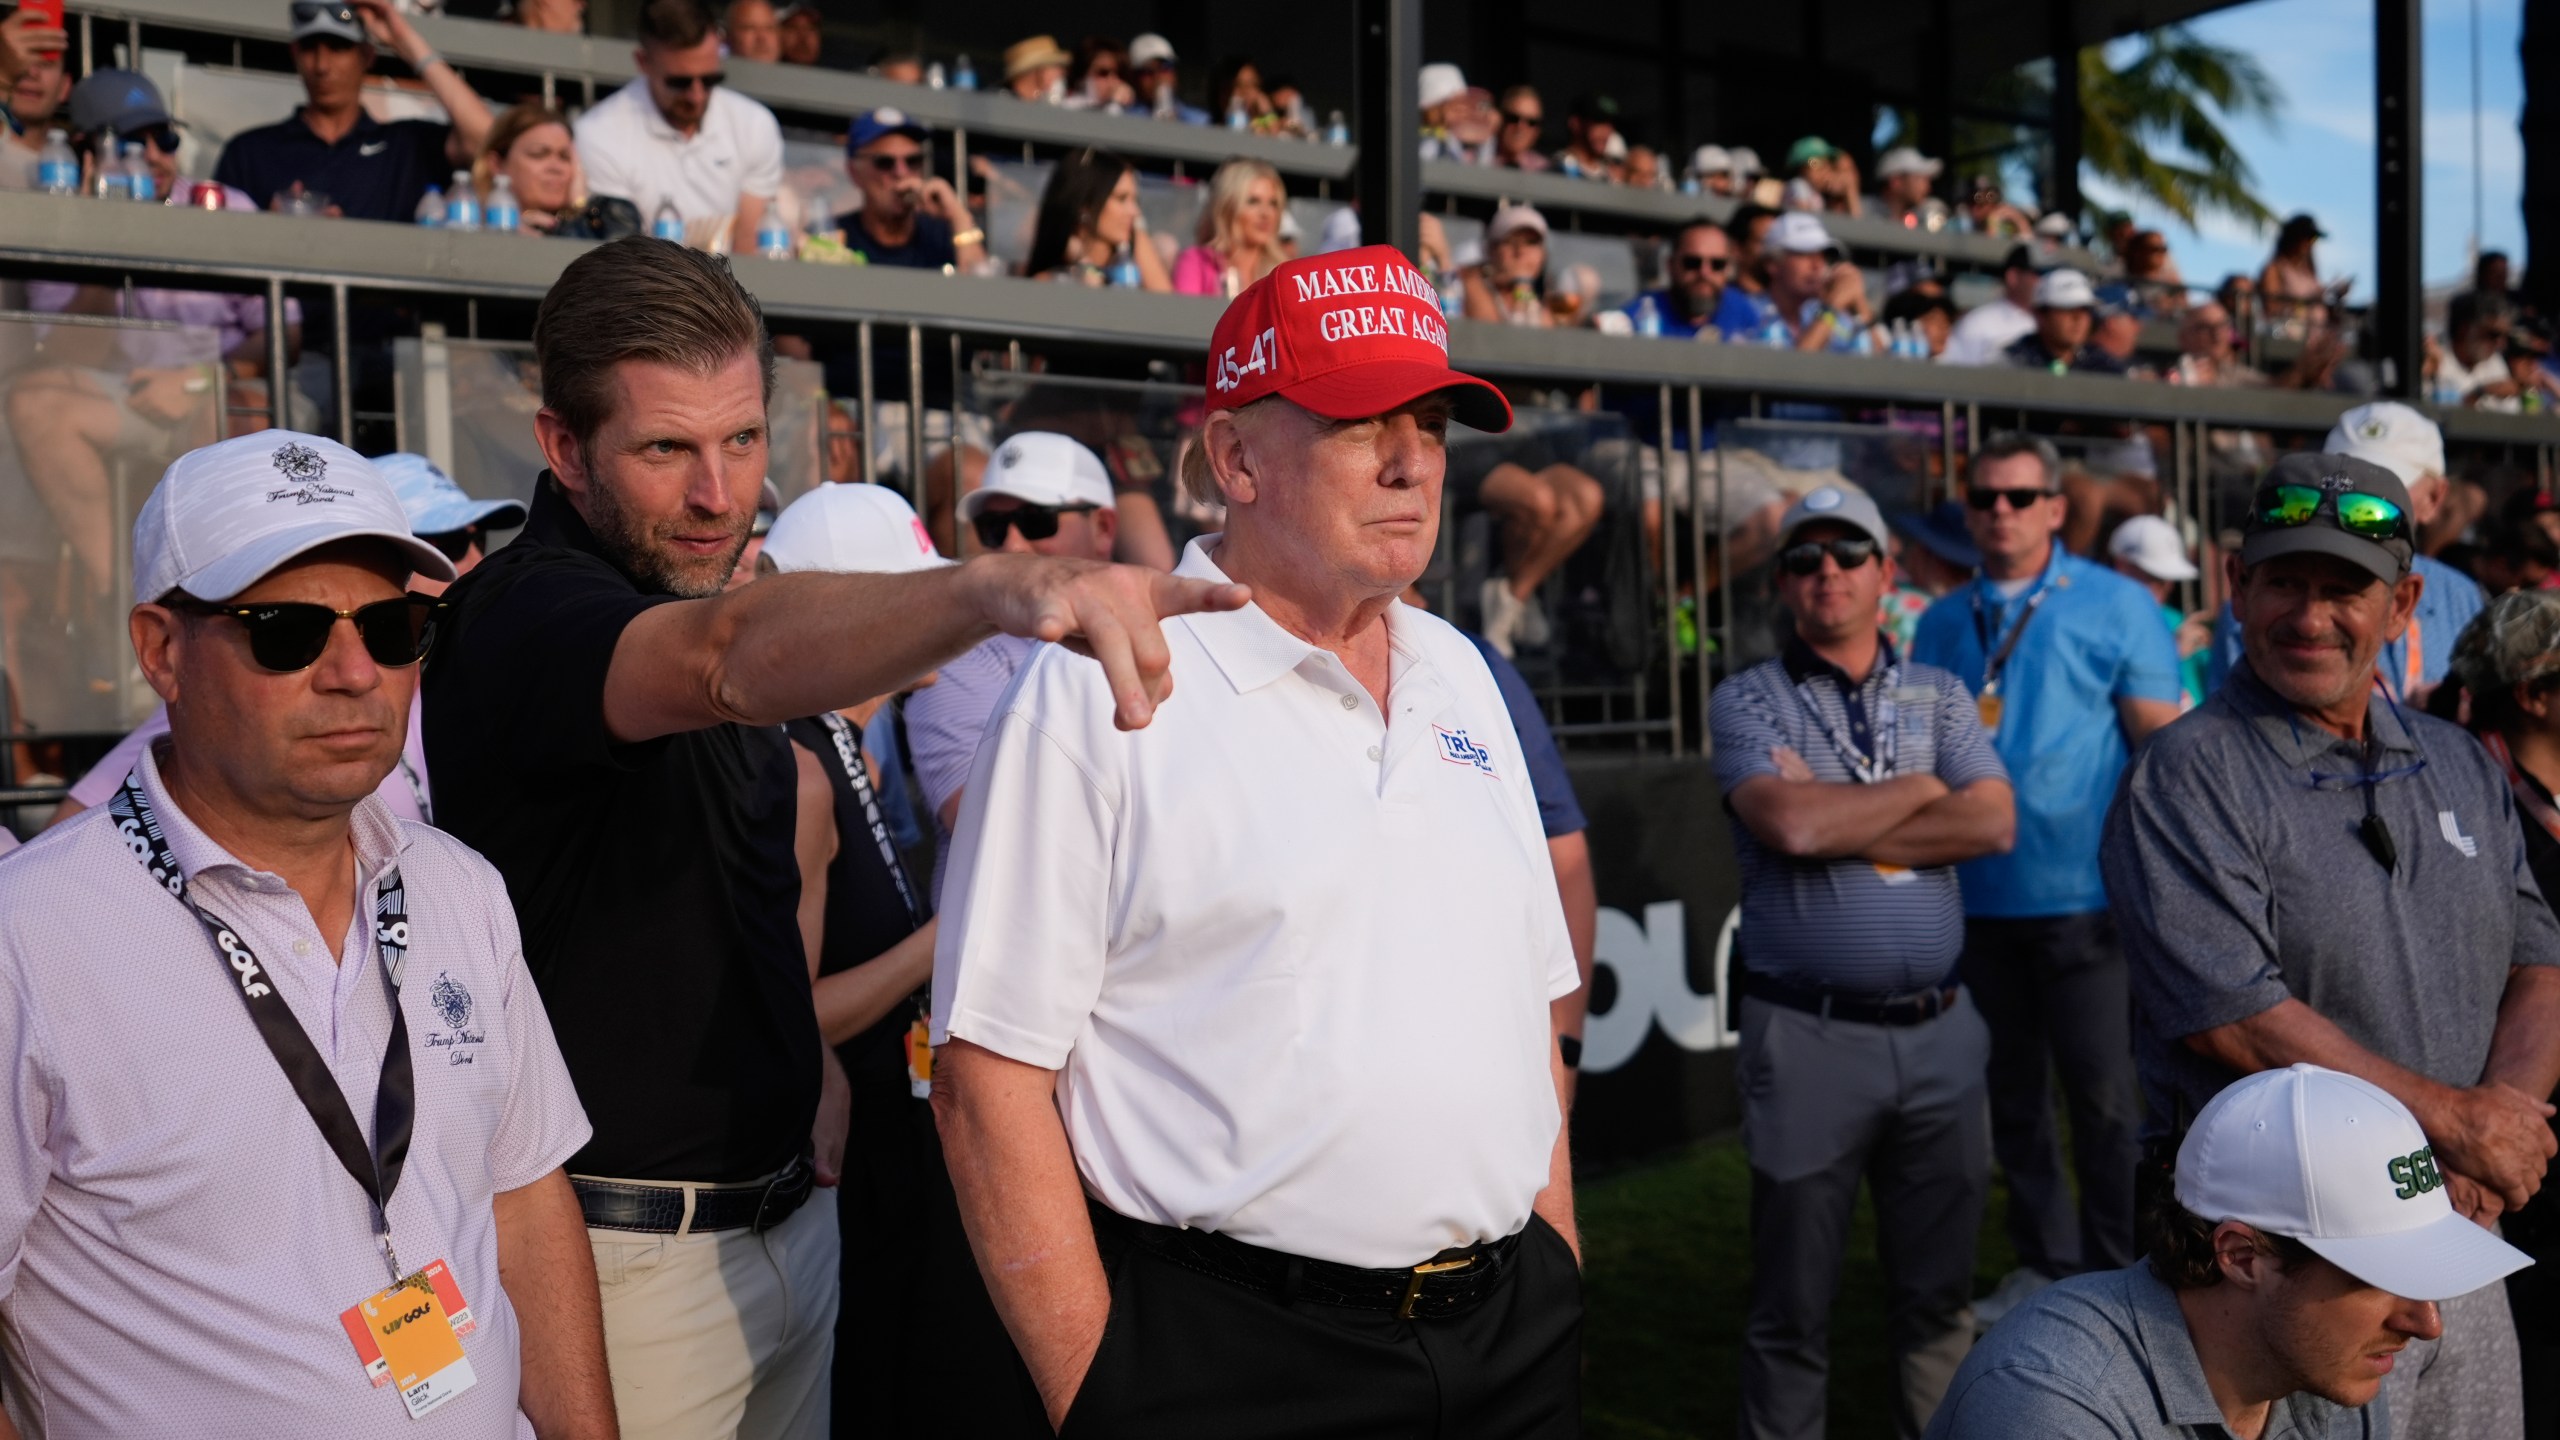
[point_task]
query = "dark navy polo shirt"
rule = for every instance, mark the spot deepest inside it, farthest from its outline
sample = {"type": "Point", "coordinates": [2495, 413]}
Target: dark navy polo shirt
{"type": "Point", "coordinates": [373, 172]}
{"type": "Point", "coordinates": [1559, 809]}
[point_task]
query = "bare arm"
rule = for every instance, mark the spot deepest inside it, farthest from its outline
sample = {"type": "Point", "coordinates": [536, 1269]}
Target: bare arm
{"type": "Point", "coordinates": [1571, 855]}
{"type": "Point", "coordinates": [1024, 1210]}
{"type": "Point", "coordinates": [1827, 820]}
{"type": "Point", "coordinates": [2524, 1051]}
{"type": "Point", "coordinates": [471, 117]}
{"type": "Point", "coordinates": [1980, 819]}
{"type": "Point", "coordinates": [813, 844]}
{"type": "Point", "coordinates": [1480, 304]}
{"type": "Point", "coordinates": [550, 1276]}
{"type": "Point", "coordinates": [750, 218]}
{"type": "Point", "coordinates": [2492, 1133]}
{"type": "Point", "coordinates": [793, 645]}
{"type": "Point", "coordinates": [852, 1001]}
{"type": "Point", "coordinates": [2141, 717]}
{"type": "Point", "coordinates": [1556, 1200]}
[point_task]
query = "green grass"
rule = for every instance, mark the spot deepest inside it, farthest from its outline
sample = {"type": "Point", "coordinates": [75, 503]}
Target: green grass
{"type": "Point", "coordinates": [1667, 1284]}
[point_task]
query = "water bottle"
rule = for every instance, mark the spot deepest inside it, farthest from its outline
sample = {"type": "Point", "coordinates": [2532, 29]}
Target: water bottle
{"type": "Point", "coordinates": [1689, 185]}
{"type": "Point", "coordinates": [667, 225]}
{"type": "Point", "coordinates": [773, 238]}
{"type": "Point", "coordinates": [107, 179]}
{"type": "Point", "coordinates": [1775, 336]}
{"type": "Point", "coordinates": [139, 183]}
{"type": "Point", "coordinates": [431, 208]}
{"type": "Point", "coordinates": [1337, 132]}
{"type": "Point", "coordinates": [934, 79]}
{"type": "Point", "coordinates": [461, 206]}
{"type": "Point", "coordinates": [1124, 271]}
{"type": "Point", "coordinates": [1238, 118]}
{"type": "Point", "coordinates": [58, 165]}
{"type": "Point", "coordinates": [504, 214]}
{"type": "Point", "coordinates": [1648, 317]}
{"type": "Point", "coordinates": [964, 76]}
{"type": "Point", "coordinates": [1164, 108]}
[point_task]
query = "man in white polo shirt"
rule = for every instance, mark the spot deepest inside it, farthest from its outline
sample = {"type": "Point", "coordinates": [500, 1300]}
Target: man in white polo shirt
{"type": "Point", "coordinates": [285, 1105]}
{"type": "Point", "coordinates": [677, 135]}
{"type": "Point", "coordinates": [1270, 982]}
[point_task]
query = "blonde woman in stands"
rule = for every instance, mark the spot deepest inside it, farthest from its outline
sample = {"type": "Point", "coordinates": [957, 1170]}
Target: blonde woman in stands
{"type": "Point", "coordinates": [1239, 232]}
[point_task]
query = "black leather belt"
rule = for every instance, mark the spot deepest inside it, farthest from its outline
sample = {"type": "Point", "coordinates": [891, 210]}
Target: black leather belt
{"type": "Point", "coordinates": [659, 1209]}
{"type": "Point", "coordinates": [1866, 1007]}
{"type": "Point", "coordinates": [1452, 1282]}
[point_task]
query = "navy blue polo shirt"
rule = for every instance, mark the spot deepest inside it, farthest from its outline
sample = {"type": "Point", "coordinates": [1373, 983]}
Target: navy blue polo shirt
{"type": "Point", "coordinates": [1559, 809]}
{"type": "Point", "coordinates": [1849, 924]}
{"type": "Point", "coordinates": [373, 172]}
{"type": "Point", "coordinates": [929, 247]}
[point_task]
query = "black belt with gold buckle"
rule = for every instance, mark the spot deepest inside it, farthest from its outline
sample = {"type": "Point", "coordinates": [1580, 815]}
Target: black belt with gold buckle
{"type": "Point", "coordinates": [1449, 1283]}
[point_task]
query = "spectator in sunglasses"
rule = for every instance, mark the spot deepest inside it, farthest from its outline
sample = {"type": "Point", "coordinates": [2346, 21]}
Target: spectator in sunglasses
{"type": "Point", "coordinates": [439, 514]}
{"type": "Point", "coordinates": [2471, 367]}
{"type": "Point", "coordinates": [1044, 494]}
{"type": "Point", "coordinates": [908, 216]}
{"type": "Point", "coordinates": [1519, 122]}
{"type": "Point", "coordinates": [1856, 781]}
{"type": "Point", "coordinates": [1099, 77]}
{"type": "Point", "coordinates": [2308, 870]}
{"type": "Point", "coordinates": [331, 149]}
{"type": "Point", "coordinates": [261, 807]}
{"type": "Point", "coordinates": [677, 136]}
{"type": "Point", "coordinates": [1153, 75]}
{"type": "Point", "coordinates": [1699, 264]}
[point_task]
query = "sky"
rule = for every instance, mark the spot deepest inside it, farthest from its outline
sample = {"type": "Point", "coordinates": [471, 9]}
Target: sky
{"type": "Point", "coordinates": [2319, 155]}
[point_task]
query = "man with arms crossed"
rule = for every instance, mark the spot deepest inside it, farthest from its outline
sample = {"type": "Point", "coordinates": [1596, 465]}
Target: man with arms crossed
{"type": "Point", "coordinates": [2303, 1253]}
{"type": "Point", "coordinates": [2306, 870]}
{"type": "Point", "coordinates": [276, 1051]}
{"type": "Point", "coordinates": [1856, 782]}
{"type": "Point", "coordinates": [1270, 983]}
{"type": "Point", "coordinates": [603, 722]}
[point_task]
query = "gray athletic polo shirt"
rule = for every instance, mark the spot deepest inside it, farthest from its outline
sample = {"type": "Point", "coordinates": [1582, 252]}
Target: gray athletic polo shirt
{"type": "Point", "coordinates": [2108, 1355]}
{"type": "Point", "coordinates": [2236, 876]}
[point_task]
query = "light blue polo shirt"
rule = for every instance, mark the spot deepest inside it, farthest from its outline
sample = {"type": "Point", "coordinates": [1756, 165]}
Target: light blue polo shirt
{"type": "Point", "coordinates": [2445, 606]}
{"type": "Point", "coordinates": [2096, 638]}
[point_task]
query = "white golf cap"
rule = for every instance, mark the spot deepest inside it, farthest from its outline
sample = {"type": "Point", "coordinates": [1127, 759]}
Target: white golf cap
{"type": "Point", "coordinates": [2151, 545]}
{"type": "Point", "coordinates": [1040, 468]}
{"type": "Point", "coordinates": [1903, 160]}
{"type": "Point", "coordinates": [434, 504]}
{"type": "Point", "coordinates": [2334, 1162]}
{"type": "Point", "coordinates": [2392, 436]}
{"type": "Point", "coordinates": [1510, 219]}
{"type": "Point", "coordinates": [1746, 161]}
{"type": "Point", "coordinates": [1441, 84]}
{"type": "Point", "coordinates": [2065, 289]}
{"type": "Point", "coordinates": [1150, 49]}
{"type": "Point", "coordinates": [225, 515]}
{"type": "Point", "coordinates": [1800, 232]}
{"type": "Point", "coordinates": [2056, 226]}
{"type": "Point", "coordinates": [1710, 160]}
{"type": "Point", "coordinates": [1839, 506]}
{"type": "Point", "coordinates": [851, 530]}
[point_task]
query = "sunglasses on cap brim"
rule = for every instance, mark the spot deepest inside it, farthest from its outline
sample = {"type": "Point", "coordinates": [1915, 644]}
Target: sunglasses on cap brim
{"type": "Point", "coordinates": [286, 636]}
{"type": "Point", "coordinates": [2369, 517]}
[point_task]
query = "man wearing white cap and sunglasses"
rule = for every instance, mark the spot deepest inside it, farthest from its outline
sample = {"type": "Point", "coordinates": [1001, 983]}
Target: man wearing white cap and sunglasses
{"type": "Point", "coordinates": [2299, 1263]}
{"type": "Point", "coordinates": [289, 1127]}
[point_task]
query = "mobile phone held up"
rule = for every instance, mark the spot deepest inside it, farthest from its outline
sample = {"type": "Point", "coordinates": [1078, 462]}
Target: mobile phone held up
{"type": "Point", "coordinates": [47, 12]}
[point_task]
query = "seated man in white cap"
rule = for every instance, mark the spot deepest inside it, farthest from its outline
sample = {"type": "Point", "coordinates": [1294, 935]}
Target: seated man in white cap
{"type": "Point", "coordinates": [2148, 551]}
{"type": "Point", "coordinates": [207, 981]}
{"type": "Point", "coordinates": [1903, 178]}
{"type": "Point", "coordinates": [2066, 310]}
{"type": "Point", "coordinates": [2307, 1244]}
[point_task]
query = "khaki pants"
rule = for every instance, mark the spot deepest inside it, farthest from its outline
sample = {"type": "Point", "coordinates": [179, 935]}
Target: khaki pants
{"type": "Point", "coordinates": [722, 1335]}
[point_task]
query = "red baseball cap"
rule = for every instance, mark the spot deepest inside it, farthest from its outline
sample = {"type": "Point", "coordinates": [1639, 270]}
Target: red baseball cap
{"type": "Point", "coordinates": [1347, 335]}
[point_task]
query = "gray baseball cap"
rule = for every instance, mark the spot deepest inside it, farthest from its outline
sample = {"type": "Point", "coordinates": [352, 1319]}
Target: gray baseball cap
{"type": "Point", "coordinates": [1835, 505]}
{"type": "Point", "coordinates": [2335, 477]}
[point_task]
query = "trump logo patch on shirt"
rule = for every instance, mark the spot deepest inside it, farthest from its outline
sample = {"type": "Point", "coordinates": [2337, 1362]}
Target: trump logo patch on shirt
{"type": "Point", "coordinates": [1457, 749]}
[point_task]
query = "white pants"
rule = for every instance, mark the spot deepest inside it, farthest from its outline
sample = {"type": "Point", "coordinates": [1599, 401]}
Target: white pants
{"type": "Point", "coordinates": [722, 1335]}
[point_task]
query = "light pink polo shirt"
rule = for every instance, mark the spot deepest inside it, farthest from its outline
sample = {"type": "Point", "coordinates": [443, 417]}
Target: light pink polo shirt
{"type": "Point", "coordinates": [176, 1238]}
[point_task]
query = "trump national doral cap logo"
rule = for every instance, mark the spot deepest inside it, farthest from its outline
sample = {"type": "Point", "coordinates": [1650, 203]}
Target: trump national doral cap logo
{"type": "Point", "coordinates": [1350, 334]}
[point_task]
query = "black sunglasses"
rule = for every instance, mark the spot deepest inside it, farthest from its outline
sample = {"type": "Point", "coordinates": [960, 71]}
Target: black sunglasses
{"type": "Point", "coordinates": [1036, 522]}
{"type": "Point", "coordinates": [291, 635]}
{"type": "Point", "coordinates": [1849, 551]}
{"type": "Point", "coordinates": [1513, 118]}
{"type": "Point", "coordinates": [891, 164]}
{"type": "Point", "coordinates": [454, 544]}
{"type": "Point", "coordinates": [1712, 264]}
{"type": "Point", "coordinates": [688, 82]}
{"type": "Point", "coordinates": [1988, 500]}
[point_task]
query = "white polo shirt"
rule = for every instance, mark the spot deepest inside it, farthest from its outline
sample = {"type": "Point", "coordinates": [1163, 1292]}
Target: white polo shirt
{"type": "Point", "coordinates": [1291, 960]}
{"type": "Point", "coordinates": [628, 149]}
{"type": "Point", "coordinates": [176, 1239]}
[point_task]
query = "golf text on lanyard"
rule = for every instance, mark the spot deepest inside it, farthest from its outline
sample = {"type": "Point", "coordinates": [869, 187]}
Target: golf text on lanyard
{"type": "Point", "coordinates": [919, 1045]}
{"type": "Point", "coordinates": [410, 1333]}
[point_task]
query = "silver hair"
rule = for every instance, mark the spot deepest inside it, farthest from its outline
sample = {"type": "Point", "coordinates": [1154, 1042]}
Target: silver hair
{"type": "Point", "coordinates": [2007, 443]}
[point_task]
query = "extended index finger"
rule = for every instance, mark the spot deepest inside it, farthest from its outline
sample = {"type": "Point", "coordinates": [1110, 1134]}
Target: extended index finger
{"type": "Point", "coordinates": [1182, 595]}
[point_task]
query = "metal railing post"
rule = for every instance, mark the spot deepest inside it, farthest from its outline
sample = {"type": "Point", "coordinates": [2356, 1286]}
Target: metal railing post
{"type": "Point", "coordinates": [915, 415]}
{"type": "Point", "coordinates": [1670, 558]}
{"type": "Point", "coordinates": [1698, 562]}
{"type": "Point", "coordinates": [341, 369]}
{"type": "Point", "coordinates": [870, 410]}
{"type": "Point", "coordinates": [278, 373]}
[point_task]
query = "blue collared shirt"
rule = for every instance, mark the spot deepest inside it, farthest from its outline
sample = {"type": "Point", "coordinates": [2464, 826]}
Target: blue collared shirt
{"type": "Point", "coordinates": [2447, 603]}
{"type": "Point", "coordinates": [2108, 1357]}
{"type": "Point", "coordinates": [2096, 638]}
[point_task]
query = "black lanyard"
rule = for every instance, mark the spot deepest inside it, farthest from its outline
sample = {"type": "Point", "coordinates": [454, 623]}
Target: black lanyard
{"type": "Point", "coordinates": [376, 1168]}
{"type": "Point", "coordinates": [849, 756]}
{"type": "Point", "coordinates": [1997, 660]}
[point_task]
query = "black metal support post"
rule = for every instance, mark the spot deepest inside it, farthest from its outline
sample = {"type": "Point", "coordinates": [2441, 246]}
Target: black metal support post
{"type": "Point", "coordinates": [1938, 91]}
{"type": "Point", "coordinates": [2063, 185]}
{"type": "Point", "coordinates": [2399, 89]}
{"type": "Point", "coordinates": [1386, 119]}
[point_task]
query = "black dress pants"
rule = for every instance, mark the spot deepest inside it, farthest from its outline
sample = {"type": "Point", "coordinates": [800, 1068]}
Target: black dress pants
{"type": "Point", "coordinates": [1185, 1356]}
